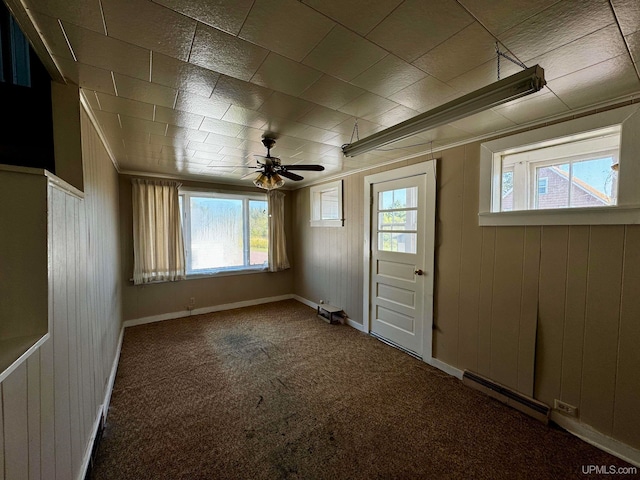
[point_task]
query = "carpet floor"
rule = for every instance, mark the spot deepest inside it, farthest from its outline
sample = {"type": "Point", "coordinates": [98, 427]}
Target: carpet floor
{"type": "Point", "coordinates": [274, 392]}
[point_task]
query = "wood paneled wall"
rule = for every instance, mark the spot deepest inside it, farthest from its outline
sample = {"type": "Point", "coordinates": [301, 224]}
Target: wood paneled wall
{"type": "Point", "coordinates": [50, 403]}
{"type": "Point", "coordinates": [553, 312]}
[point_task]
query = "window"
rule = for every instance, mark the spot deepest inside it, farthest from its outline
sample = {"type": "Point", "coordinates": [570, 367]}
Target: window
{"type": "Point", "coordinates": [224, 232]}
{"type": "Point", "coordinates": [326, 205]}
{"type": "Point", "coordinates": [398, 220]}
{"type": "Point", "coordinates": [568, 173]}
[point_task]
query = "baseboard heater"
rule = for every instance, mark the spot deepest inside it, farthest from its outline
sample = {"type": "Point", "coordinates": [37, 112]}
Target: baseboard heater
{"type": "Point", "coordinates": [528, 405]}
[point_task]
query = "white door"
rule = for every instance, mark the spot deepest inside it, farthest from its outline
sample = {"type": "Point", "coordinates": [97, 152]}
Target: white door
{"type": "Point", "coordinates": [397, 295]}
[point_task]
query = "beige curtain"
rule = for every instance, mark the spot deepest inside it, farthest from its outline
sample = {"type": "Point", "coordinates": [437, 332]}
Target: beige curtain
{"type": "Point", "coordinates": [157, 232]}
{"type": "Point", "coordinates": [277, 242]}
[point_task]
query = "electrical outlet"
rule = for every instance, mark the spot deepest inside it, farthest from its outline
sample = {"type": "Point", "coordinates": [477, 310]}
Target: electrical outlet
{"type": "Point", "coordinates": [192, 303]}
{"type": "Point", "coordinates": [565, 408]}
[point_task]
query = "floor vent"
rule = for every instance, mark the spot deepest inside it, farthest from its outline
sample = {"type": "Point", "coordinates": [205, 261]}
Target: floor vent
{"type": "Point", "coordinates": [528, 405]}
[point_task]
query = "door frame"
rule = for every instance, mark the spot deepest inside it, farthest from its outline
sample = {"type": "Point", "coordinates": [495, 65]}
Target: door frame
{"type": "Point", "coordinates": [427, 168]}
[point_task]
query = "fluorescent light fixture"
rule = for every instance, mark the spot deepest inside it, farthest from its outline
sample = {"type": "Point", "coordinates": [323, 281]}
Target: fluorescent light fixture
{"type": "Point", "coordinates": [523, 83]}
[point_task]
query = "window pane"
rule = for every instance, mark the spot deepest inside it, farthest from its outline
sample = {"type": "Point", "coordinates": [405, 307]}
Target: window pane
{"type": "Point", "coordinates": [507, 189]}
{"type": "Point", "coordinates": [259, 232]}
{"type": "Point", "coordinates": [400, 198]}
{"type": "Point", "coordinates": [216, 233]}
{"type": "Point", "coordinates": [398, 242]}
{"type": "Point", "coordinates": [329, 205]}
{"type": "Point", "coordinates": [594, 183]}
{"type": "Point", "coordinates": [555, 178]}
{"type": "Point", "coordinates": [398, 220]}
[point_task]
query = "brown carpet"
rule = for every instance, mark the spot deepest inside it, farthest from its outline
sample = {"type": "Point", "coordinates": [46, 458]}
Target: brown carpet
{"type": "Point", "coordinates": [272, 392]}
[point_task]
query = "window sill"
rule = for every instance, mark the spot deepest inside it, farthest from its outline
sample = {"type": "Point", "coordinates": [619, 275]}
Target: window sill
{"type": "Point", "coordinates": [327, 223]}
{"type": "Point", "coordinates": [563, 216]}
{"type": "Point", "coordinates": [227, 272]}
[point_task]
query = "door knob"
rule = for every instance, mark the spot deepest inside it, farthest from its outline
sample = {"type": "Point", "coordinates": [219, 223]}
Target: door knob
{"type": "Point", "coordinates": [418, 272]}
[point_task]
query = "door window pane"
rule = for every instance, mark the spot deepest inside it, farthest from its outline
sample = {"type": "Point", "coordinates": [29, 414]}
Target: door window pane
{"type": "Point", "coordinates": [398, 220]}
{"type": "Point", "coordinates": [398, 242]}
{"type": "Point", "coordinates": [400, 198]}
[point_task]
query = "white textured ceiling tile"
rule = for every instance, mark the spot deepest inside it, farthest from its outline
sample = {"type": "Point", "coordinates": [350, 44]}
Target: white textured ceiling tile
{"type": "Point", "coordinates": [293, 28]}
{"type": "Point", "coordinates": [222, 140]}
{"type": "Point", "coordinates": [207, 157]}
{"type": "Point", "coordinates": [135, 89]}
{"type": "Point", "coordinates": [614, 78]}
{"type": "Point", "coordinates": [343, 54]}
{"type": "Point", "coordinates": [178, 118]}
{"type": "Point", "coordinates": [49, 28]}
{"type": "Point", "coordinates": [85, 14]}
{"type": "Point", "coordinates": [425, 94]}
{"type": "Point", "coordinates": [92, 100]}
{"type": "Point", "coordinates": [186, 133]}
{"type": "Point", "coordinates": [483, 122]}
{"type": "Point", "coordinates": [108, 53]}
{"type": "Point", "coordinates": [423, 25]}
{"type": "Point", "coordinates": [539, 105]}
{"type": "Point", "coordinates": [365, 128]}
{"type": "Point", "coordinates": [86, 76]}
{"type": "Point", "coordinates": [323, 117]}
{"type": "Point", "coordinates": [368, 105]}
{"type": "Point", "coordinates": [224, 53]}
{"type": "Point", "coordinates": [185, 76]}
{"type": "Point", "coordinates": [240, 93]}
{"type": "Point", "coordinates": [556, 26]}
{"type": "Point", "coordinates": [141, 125]}
{"type": "Point", "coordinates": [281, 105]}
{"type": "Point", "coordinates": [388, 76]}
{"type": "Point", "coordinates": [361, 16]}
{"type": "Point", "coordinates": [500, 16]}
{"type": "Point", "coordinates": [149, 25]}
{"type": "Point", "coordinates": [198, 105]}
{"type": "Point", "coordinates": [394, 116]}
{"type": "Point", "coordinates": [213, 125]}
{"type": "Point", "coordinates": [204, 147]}
{"type": "Point", "coordinates": [244, 116]}
{"type": "Point", "coordinates": [331, 92]}
{"type": "Point", "coordinates": [586, 51]}
{"type": "Point", "coordinates": [124, 106]}
{"type": "Point", "coordinates": [440, 136]}
{"type": "Point", "coordinates": [285, 75]}
{"type": "Point", "coordinates": [109, 123]}
{"type": "Point", "coordinates": [483, 75]}
{"type": "Point", "coordinates": [169, 141]}
{"type": "Point", "coordinates": [289, 142]}
{"type": "Point", "coordinates": [226, 15]}
{"type": "Point", "coordinates": [627, 13]}
{"type": "Point", "coordinates": [462, 52]}
{"type": "Point", "coordinates": [142, 149]}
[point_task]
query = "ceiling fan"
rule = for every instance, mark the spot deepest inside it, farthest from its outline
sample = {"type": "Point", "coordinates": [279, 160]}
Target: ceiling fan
{"type": "Point", "coordinates": [271, 170]}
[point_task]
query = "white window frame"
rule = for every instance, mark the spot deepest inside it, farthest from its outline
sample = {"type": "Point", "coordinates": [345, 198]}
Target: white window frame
{"type": "Point", "coordinates": [316, 193]}
{"type": "Point", "coordinates": [185, 194]}
{"type": "Point", "coordinates": [627, 210]}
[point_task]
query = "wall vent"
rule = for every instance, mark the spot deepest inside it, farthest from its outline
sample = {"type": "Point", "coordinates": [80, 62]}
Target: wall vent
{"type": "Point", "coordinates": [528, 405]}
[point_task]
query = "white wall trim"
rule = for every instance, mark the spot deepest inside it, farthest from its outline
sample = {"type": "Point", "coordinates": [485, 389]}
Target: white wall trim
{"type": "Point", "coordinates": [445, 367]}
{"type": "Point", "coordinates": [199, 311]}
{"type": "Point", "coordinates": [597, 439]}
{"type": "Point", "coordinates": [101, 414]}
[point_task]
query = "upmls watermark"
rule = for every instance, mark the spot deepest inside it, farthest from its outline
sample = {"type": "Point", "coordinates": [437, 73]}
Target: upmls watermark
{"type": "Point", "coordinates": [608, 470]}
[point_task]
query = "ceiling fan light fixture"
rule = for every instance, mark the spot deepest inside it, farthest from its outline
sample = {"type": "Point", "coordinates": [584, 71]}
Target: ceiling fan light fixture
{"type": "Point", "coordinates": [516, 86]}
{"type": "Point", "coordinates": [268, 182]}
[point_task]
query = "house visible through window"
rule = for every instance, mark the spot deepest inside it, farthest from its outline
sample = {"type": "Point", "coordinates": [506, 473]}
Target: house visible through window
{"type": "Point", "coordinates": [576, 171]}
{"type": "Point", "coordinates": [224, 232]}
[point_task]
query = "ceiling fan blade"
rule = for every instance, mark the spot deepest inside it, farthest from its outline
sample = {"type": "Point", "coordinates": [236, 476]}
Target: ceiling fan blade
{"type": "Point", "coordinates": [309, 168]}
{"type": "Point", "coordinates": [290, 175]}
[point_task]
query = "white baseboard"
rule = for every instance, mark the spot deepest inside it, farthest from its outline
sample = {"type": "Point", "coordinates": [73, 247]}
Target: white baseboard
{"type": "Point", "coordinates": [101, 414]}
{"type": "Point", "coordinates": [200, 311]}
{"type": "Point", "coordinates": [597, 439]}
{"type": "Point", "coordinates": [445, 367]}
